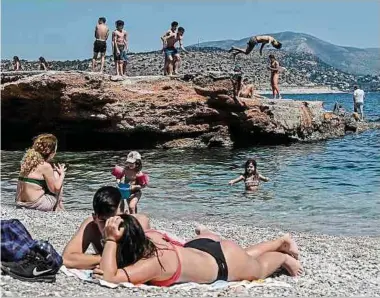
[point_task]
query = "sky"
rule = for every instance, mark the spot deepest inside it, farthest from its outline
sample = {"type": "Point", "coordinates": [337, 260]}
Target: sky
{"type": "Point", "coordinates": [64, 30]}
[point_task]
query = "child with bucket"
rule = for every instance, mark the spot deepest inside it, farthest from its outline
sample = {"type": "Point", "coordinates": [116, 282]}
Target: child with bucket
{"type": "Point", "coordinates": [131, 180]}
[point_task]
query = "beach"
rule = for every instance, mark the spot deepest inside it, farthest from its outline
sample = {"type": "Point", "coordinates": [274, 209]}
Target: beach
{"type": "Point", "coordinates": [333, 265]}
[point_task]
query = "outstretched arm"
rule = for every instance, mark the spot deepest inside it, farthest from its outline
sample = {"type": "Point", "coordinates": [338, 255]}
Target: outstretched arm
{"type": "Point", "coordinates": [240, 178]}
{"type": "Point", "coordinates": [181, 46]}
{"type": "Point", "coordinates": [263, 178]}
{"type": "Point", "coordinates": [74, 253]}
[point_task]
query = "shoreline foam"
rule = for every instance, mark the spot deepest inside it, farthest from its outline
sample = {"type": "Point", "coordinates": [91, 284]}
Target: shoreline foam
{"type": "Point", "coordinates": [333, 265]}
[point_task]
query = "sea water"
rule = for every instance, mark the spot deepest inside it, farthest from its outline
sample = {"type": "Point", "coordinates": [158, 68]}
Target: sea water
{"type": "Point", "coordinates": [328, 187]}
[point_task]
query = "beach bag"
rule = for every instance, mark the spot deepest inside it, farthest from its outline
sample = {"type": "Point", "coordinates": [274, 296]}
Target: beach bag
{"type": "Point", "coordinates": [17, 243]}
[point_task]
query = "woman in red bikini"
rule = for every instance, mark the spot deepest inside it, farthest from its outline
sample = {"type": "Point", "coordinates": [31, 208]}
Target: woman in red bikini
{"type": "Point", "coordinates": [132, 255]}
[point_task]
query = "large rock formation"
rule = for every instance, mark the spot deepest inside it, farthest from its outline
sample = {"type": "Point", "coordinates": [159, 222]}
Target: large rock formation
{"type": "Point", "coordinates": [93, 111]}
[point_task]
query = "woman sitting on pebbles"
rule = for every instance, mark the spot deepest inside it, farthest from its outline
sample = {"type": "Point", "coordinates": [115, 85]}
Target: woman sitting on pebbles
{"type": "Point", "coordinates": [39, 184]}
{"type": "Point", "coordinates": [130, 255]}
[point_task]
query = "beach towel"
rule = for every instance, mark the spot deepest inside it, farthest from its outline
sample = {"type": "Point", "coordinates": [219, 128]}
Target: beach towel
{"type": "Point", "coordinates": [46, 202]}
{"type": "Point", "coordinates": [86, 275]}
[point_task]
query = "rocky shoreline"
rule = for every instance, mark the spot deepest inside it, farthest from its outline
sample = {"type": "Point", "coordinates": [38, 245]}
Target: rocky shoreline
{"type": "Point", "coordinates": [302, 69]}
{"type": "Point", "coordinates": [333, 265]}
{"type": "Point", "coordinates": [91, 111]}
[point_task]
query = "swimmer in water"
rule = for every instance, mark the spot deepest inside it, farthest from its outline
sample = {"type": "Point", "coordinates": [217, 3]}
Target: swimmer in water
{"type": "Point", "coordinates": [251, 176]}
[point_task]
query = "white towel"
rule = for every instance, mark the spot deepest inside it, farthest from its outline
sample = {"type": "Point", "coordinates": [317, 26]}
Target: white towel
{"type": "Point", "coordinates": [86, 275]}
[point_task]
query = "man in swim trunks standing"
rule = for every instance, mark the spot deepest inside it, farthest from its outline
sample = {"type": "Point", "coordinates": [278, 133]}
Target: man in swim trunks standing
{"type": "Point", "coordinates": [253, 41]}
{"type": "Point", "coordinates": [100, 44]}
{"type": "Point", "coordinates": [171, 53]}
{"type": "Point", "coordinates": [120, 47]}
{"type": "Point", "coordinates": [172, 30]}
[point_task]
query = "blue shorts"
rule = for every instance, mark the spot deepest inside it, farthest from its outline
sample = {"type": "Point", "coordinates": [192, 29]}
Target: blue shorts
{"type": "Point", "coordinates": [122, 56]}
{"type": "Point", "coordinates": [170, 51]}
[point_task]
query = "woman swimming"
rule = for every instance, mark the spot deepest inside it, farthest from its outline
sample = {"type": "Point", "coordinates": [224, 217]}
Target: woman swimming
{"type": "Point", "coordinates": [39, 183]}
{"type": "Point", "coordinates": [251, 176]}
{"type": "Point", "coordinates": [130, 255]}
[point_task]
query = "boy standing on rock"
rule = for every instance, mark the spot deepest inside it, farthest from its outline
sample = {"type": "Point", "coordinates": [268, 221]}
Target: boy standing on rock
{"type": "Point", "coordinates": [171, 53]}
{"type": "Point", "coordinates": [120, 47]}
{"type": "Point", "coordinates": [172, 30]}
{"type": "Point", "coordinates": [100, 44]}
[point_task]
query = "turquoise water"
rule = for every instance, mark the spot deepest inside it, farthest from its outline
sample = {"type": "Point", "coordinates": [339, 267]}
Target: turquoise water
{"type": "Point", "coordinates": [329, 187]}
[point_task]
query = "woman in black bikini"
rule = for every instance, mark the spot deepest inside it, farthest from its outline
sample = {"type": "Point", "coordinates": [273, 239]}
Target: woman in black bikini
{"type": "Point", "coordinates": [130, 255]}
{"type": "Point", "coordinates": [39, 184]}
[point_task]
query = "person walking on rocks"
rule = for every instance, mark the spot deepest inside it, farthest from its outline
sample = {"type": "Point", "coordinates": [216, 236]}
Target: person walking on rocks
{"type": "Point", "coordinates": [253, 41]}
{"type": "Point", "coordinates": [172, 30]}
{"type": "Point", "coordinates": [274, 67]}
{"type": "Point", "coordinates": [171, 53]}
{"type": "Point", "coordinates": [358, 98]}
{"type": "Point", "coordinates": [100, 44]}
{"type": "Point", "coordinates": [120, 47]}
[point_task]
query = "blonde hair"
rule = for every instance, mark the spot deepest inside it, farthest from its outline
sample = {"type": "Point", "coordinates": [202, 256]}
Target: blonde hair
{"type": "Point", "coordinates": [43, 146]}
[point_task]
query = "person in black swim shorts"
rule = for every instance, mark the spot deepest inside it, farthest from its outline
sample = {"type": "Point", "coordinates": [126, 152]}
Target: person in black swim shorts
{"type": "Point", "coordinates": [100, 43]}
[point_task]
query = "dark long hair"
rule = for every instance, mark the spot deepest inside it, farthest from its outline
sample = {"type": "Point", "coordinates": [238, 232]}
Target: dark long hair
{"type": "Point", "coordinates": [134, 245]}
{"type": "Point", "coordinates": [247, 163]}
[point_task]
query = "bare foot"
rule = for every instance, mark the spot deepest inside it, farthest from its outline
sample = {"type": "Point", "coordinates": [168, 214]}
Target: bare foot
{"type": "Point", "coordinates": [293, 266]}
{"type": "Point", "coordinates": [290, 246]}
{"type": "Point", "coordinates": [201, 229]}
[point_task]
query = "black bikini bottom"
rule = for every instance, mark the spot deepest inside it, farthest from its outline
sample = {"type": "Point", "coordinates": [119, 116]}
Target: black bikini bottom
{"type": "Point", "coordinates": [213, 248]}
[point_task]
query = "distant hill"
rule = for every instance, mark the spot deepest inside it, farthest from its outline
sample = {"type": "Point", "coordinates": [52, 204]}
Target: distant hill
{"type": "Point", "coordinates": [352, 60]}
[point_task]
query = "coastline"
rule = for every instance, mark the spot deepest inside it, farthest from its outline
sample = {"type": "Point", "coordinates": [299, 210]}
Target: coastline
{"type": "Point", "coordinates": [302, 90]}
{"type": "Point", "coordinates": [333, 265]}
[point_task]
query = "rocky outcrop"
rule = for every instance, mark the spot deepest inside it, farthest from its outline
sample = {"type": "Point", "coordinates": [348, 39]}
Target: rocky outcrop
{"type": "Point", "coordinates": [93, 111]}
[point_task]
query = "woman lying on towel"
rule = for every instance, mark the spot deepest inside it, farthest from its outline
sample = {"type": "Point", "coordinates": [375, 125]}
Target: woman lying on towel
{"type": "Point", "coordinates": [39, 183]}
{"type": "Point", "coordinates": [130, 255]}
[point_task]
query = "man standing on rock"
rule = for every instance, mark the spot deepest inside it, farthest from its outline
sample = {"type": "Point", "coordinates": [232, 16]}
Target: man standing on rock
{"type": "Point", "coordinates": [263, 39]}
{"type": "Point", "coordinates": [120, 47]}
{"type": "Point", "coordinates": [172, 30]}
{"type": "Point", "coordinates": [171, 53]}
{"type": "Point", "coordinates": [100, 44]}
{"type": "Point", "coordinates": [358, 98]}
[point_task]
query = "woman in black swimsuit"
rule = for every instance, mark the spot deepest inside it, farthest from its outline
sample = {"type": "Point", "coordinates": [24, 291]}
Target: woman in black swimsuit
{"type": "Point", "coordinates": [130, 255]}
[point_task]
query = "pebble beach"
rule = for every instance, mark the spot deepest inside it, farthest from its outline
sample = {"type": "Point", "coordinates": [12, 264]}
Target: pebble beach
{"type": "Point", "coordinates": [333, 265]}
